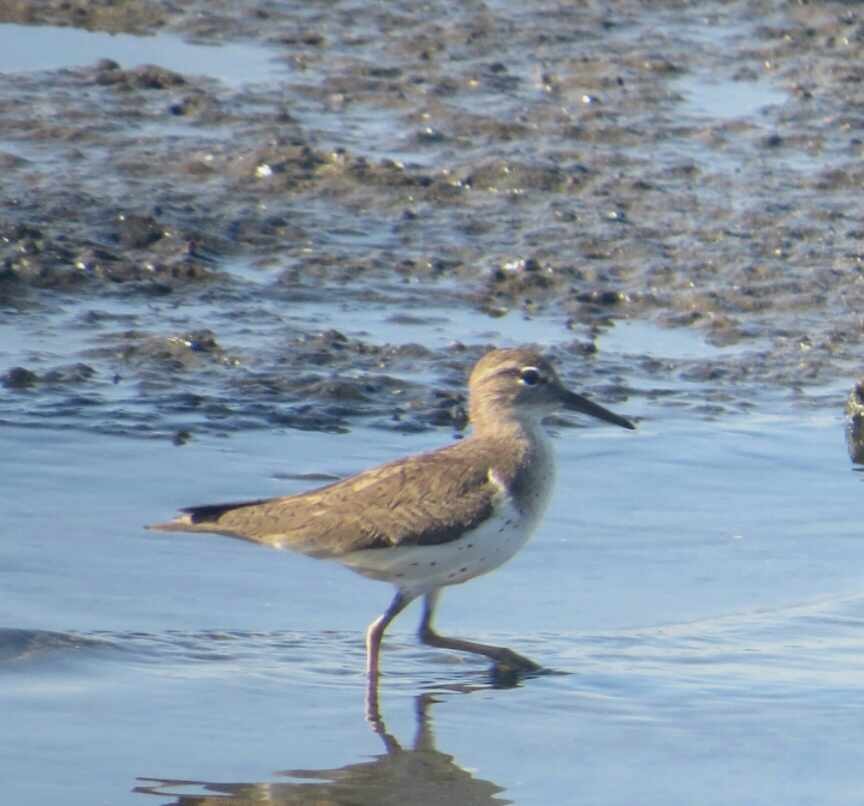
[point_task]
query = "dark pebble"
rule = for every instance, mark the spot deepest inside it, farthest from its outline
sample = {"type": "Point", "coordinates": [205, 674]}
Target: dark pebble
{"type": "Point", "coordinates": [19, 378]}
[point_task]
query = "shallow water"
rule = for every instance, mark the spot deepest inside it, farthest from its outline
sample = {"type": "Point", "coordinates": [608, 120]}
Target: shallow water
{"type": "Point", "coordinates": [47, 47]}
{"type": "Point", "coordinates": [707, 97]}
{"type": "Point", "coordinates": [696, 585]}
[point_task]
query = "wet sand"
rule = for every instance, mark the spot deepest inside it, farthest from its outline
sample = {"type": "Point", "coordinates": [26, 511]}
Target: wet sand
{"type": "Point", "coordinates": [691, 164]}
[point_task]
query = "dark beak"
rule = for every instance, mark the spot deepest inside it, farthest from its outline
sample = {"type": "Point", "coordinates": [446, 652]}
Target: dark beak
{"type": "Point", "coordinates": [570, 400]}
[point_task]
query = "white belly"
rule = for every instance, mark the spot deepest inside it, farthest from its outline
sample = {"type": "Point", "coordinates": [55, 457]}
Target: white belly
{"type": "Point", "coordinates": [417, 570]}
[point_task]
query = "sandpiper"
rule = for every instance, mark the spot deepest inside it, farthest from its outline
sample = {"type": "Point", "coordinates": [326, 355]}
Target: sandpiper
{"type": "Point", "coordinates": [434, 519]}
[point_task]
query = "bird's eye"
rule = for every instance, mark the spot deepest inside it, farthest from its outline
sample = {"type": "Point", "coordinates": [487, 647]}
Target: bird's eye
{"type": "Point", "coordinates": [530, 376]}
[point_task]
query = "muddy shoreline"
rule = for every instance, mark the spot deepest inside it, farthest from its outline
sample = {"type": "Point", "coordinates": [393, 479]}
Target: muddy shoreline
{"type": "Point", "coordinates": [163, 233]}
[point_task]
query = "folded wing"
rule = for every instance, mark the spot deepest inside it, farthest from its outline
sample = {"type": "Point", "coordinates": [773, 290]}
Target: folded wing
{"type": "Point", "coordinates": [421, 500]}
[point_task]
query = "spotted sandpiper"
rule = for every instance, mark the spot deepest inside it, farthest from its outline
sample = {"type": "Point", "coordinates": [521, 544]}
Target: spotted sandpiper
{"type": "Point", "coordinates": [434, 519]}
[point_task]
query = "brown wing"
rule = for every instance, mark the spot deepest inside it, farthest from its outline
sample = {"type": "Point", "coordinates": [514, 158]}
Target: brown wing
{"type": "Point", "coordinates": [427, 499]}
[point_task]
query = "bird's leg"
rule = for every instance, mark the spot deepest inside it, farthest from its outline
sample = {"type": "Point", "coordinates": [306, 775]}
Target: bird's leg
{"type": "Point", "coordinates": [501, 655]}
{"type": "Point", "coordinates": [374, 634]}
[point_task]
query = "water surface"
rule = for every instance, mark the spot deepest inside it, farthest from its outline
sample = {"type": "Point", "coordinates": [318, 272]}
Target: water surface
{"type": "Point", "coordinates": [697, 587]}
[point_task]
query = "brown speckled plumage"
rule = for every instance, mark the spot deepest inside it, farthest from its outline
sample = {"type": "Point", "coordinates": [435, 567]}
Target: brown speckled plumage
{"type": "Point", "coordinates": [381, 521]}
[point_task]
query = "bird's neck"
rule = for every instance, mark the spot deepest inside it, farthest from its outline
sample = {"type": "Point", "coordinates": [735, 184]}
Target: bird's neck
{"type": "Point", "coordinates": [525, 458]}
{"type": "Point", "coordinates": [505, 424]}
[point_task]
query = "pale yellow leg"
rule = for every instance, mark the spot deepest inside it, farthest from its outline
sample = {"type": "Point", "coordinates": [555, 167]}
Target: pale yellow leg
{"type": "Point", "coordinates": [375, 632]}
{"type": "Point", "coordinates": [501, 655]}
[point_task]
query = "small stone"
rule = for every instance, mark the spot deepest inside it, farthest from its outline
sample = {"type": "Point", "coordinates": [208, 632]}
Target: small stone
{"type": "Point", "coordinates": [19, 378]}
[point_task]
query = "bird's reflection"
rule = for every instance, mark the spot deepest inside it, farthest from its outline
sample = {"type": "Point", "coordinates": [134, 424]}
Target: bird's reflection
{"type": "Point", "coordinates": [420, 775]}
{"type": "Point", "coordinates": [500, 675]}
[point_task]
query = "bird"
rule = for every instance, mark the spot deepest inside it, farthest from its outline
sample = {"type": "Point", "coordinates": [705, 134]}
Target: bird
{"type": "Point", "coordinates": [434, 519]}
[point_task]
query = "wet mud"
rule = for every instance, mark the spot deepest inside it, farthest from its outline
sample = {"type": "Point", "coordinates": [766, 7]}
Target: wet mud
{"type": "Point", "coordinates": [164, 234]}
